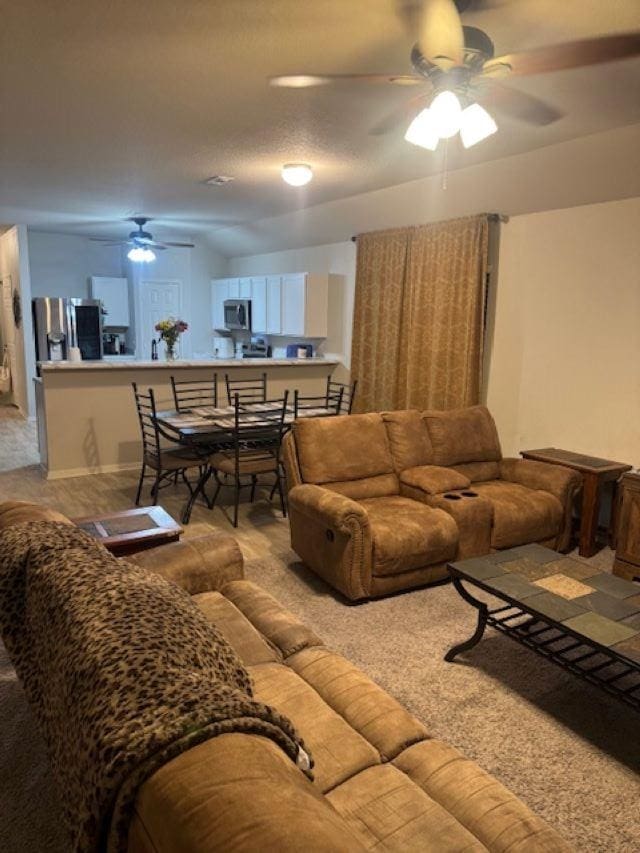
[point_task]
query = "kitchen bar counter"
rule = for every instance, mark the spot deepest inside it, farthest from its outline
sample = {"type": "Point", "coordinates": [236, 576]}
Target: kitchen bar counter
{"type": "Point", "coordinates": [212, 364]}
{"type": "Point", "coordinates": [87, 419]}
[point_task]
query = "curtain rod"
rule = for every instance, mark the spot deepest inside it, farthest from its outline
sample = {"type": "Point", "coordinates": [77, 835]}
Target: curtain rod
{"type": "Point", "coordinates": [492, 217]}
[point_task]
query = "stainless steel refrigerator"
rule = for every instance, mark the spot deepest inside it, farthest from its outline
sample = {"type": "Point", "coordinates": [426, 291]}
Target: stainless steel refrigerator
{"type": "Point", "coordinates": [63, 323]}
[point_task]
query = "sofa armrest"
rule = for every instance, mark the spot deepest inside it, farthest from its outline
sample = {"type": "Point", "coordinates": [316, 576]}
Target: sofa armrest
{"type": "Point", "coordinates": [332, 509]}
{"type": "Point", "coordinates": [434, 479]}
{"type": "Point", "coordinates": [563, 483]}
{"type": "Point", "coordinates": [331, 534]}
{"type": "Point", "coordinates": [201, 564]}
{"type": "Point", "coordinates": [556, 479]}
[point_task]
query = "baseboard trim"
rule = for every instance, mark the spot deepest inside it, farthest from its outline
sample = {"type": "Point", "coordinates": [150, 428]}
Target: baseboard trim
{"type": "Point", "coordinates": [114, 468]}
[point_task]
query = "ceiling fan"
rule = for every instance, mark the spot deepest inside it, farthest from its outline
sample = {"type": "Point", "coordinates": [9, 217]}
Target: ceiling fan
{"type": "Point", "coordinates": [142, 242]}
{"type": "Point", "coordinates": [457, 67]}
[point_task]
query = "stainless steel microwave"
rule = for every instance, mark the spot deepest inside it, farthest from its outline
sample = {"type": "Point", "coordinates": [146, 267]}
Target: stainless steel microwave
{"type": "Point", "coordinates": [237, 314]}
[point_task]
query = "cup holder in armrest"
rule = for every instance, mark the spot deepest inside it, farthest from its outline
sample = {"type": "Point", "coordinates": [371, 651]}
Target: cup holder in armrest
{"type": "Point", "coordinates": [452, 497]}
{"type": "Point", "coordinates": [470, 494]}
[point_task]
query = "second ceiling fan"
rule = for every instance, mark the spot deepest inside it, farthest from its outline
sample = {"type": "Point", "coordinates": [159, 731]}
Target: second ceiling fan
{"type": "Point", "coordinates": [456, 67]}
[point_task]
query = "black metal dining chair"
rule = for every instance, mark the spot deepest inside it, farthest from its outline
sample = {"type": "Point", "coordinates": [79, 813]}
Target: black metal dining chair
{"type": "Point", "coordinates": [317, 406]}
{"type": "Point", "coordinates": [166, 461]}
{"type": "Point", "coordinates": [348, 394]}
{"type": "Point", "coordinates": [256, 440]}
{"type": "Point", "coordinates": [188, 393]}
{"type": "Point", "coordinates": [247, 390]}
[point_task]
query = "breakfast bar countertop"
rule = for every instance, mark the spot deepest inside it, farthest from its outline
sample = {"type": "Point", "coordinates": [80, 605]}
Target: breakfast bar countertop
{"type": "Point", "coordinates": [132, 364]}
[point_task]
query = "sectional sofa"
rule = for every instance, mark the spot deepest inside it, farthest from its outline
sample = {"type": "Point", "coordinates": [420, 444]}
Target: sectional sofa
{"type": "Point", "coordinates": [382, 782]}
{"type": "Point", "coordinates": [381, 502]}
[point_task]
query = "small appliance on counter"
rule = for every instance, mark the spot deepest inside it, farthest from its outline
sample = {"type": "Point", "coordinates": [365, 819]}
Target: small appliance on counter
{"type": "Point", "coordinates": [299, 350]}
{"type": "Point", "coordinates": [113, 344]}
{"type": "Point", "coordinates": [256, 348]}
{"type": "Point", "coordinates": [223, 346]}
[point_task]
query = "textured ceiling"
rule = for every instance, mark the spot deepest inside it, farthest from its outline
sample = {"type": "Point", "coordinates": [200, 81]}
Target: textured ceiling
{"type": "Point", "coordinates": [114, 108]}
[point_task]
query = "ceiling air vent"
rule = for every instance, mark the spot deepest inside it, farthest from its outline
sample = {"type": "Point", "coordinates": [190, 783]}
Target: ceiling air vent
{"type": "Point", "coordinates": [219, 180]}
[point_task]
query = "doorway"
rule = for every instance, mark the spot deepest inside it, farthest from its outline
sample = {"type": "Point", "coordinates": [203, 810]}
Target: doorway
{"type": "Point", "coordinates": [159, 300]}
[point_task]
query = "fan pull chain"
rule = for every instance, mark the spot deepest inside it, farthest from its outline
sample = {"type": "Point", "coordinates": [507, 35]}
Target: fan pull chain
{"type": "Point", "coordinates": [445, 164]}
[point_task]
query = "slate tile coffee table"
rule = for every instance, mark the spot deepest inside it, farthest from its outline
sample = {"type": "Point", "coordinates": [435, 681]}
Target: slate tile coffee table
{"type": "Point", "coordinates": [584, 620]}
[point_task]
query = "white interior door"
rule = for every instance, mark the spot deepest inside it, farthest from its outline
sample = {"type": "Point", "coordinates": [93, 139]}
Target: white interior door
{"type": "Point", "coordinates": [8, 332]}
{"type": "Point", "coordinates": [159, 300]}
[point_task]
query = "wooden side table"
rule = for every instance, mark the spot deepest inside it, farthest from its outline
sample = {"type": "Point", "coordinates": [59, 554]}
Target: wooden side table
{"type": "Point", "coordinates": [131, 530]}
{"type": "Point", "coordinates": [595, 473]}
{"type": "Point", "coordinates": [627, 561]}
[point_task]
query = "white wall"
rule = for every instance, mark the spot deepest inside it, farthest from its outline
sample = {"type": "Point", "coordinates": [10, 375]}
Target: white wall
{"type": "Point", "coordinates": [14, 263]}
{"type": "Point", "coordinates": [338, 258]}
{"type": "Point", "coordinates": [61, 264]}
{"type": "Point", "coordinates": [565, 358]}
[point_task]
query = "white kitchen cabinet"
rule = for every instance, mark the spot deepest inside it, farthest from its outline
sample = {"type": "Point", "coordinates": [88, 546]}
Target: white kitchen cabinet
{"type": "Point", "coordinates": [274, 305]}
{"type": "Point", "coordinates": [114, 295]}
{"type": "Point", "coordinates": [219, 292]}
{"type": "Point", "coordinates": [233, 287]}
{"type": "Point", "coordinates": [244, 288]}
{"type": "Point", "coordinates": [293, 299]}
{"type": "Point", "coordinates": [259, 304]}
{"type": "Point", "coordinates": [304, 300]}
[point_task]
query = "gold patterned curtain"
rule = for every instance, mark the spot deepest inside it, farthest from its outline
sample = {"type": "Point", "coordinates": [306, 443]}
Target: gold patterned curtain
{"type": "Point", "coordinates": [418, 316]}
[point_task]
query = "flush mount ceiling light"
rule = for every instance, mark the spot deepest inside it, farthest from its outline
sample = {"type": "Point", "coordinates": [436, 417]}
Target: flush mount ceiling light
{"type": "Point", "coordinates": [444, 118]}
{"type": "Point", "coordinates": [297, 174]}
{"type": "Point", "coordinates": [141, 254]}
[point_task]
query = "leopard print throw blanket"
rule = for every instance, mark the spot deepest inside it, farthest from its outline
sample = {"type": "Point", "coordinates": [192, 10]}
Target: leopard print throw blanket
{"type": "Point", "coordinates": [122, 670]}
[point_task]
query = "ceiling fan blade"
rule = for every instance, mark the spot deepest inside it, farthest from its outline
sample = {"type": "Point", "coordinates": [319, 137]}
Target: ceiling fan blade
{"type": "Point", "coordinates": [575, 54]}
{"type": "Point", "coordinates": [402, 116]}
{"type": "Point", "coordinates": [305, 81]}
{"type": "Point", "coordinates": [440, 35]}
{"type": "Point", "coordinates": [180, 245]}
{"type": "Point", "coordinates": [109, 241]}
{"type": "Point", "coordinates": [516, 104]}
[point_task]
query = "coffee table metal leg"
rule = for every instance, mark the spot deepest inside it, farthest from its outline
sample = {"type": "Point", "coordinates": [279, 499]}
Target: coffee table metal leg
{"type": "Point", "coordinates": [483, 612]}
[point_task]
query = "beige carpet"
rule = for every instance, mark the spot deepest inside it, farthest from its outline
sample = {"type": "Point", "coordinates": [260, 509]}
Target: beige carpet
{"type": "Point", "coordinates": [571, 752]}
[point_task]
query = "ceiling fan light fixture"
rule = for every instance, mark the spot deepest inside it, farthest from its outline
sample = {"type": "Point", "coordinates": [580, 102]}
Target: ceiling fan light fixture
{"type": "Point", "coordinates": [475, 125]}
{"type": "Point", "coordinates": [298, 81]}
{"type": "Point", "coordinates": [297, 174]}
{"type": "Point", "coordinates": [422, 132]}
{"type": "Point", "coordinates": [141, 254]}
{"type": "Point", "coordinates": [445, 113]}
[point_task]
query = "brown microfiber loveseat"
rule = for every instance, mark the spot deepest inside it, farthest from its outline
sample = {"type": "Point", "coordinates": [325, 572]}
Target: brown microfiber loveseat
{"type": "Point", "coordinates": [381, 502]}
{"type": "Point", "coordinates": [381, 781]}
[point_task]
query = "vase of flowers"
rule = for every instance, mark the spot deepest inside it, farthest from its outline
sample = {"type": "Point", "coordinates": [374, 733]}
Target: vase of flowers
{"type": "Point", "coordinates": [170, 331]}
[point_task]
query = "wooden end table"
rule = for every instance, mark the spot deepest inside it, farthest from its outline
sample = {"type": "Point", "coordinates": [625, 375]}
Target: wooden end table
{"type": "Point", "coordinates": [131, 530]}
{"type": "Point", "coordinates": [595, 473]}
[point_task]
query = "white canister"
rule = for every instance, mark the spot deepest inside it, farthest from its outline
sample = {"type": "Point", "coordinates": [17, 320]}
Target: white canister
{"type": "Point", "coordinates": [75, 354]}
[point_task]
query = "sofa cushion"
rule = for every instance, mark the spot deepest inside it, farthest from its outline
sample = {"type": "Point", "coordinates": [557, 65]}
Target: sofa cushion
{"type": "Point", "coordinates": [370, 487]}
{"type": "Point", "coordinates": [338, 750]}
{"type": "Point", "coordinates": [463, 435]}
{"type": "Point", "coordinates": [390, 812]}
{"type": "Point", "coordinates": [408, 439]}
{"type": "Point", "coordinates": [346, 447]}
{"type": "Point", "coordinates": [478, 802]}
{"type": "Point", "coordinates": [237, 630]}
{"type": "Point", "coordinates": [364, 705]}
{"type": "Point", "coordinates": [268, 616]}
{"type": "Point", "coordinates": [434, 479]}
{"type": "Point", "coordinates": [520, 515]}
{"type": "Point", "coordinates": [408, 535]}
{"type": "Point", "coordinates": [477, 471]}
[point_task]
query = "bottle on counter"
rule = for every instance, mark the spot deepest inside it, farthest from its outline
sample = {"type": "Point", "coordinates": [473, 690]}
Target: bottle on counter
{"type": "Point", "coordinates": [154, 350]}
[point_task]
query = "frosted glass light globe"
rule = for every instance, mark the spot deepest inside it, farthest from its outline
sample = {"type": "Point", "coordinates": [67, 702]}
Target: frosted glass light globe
{"type": "Point", "coordinates": [445, 114]}
{"type": "Point", "coordinates": [297, 174]}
